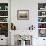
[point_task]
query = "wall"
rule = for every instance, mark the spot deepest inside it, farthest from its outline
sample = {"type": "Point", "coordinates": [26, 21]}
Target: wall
{"type": "Point", "coordinates": [26, 5]}
{"type": "Point", "coordinates": [32, 6]}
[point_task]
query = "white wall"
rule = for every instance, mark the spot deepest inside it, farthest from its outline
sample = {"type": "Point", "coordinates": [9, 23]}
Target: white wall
{"type": "Point", "coordinates": [26, 5]}
{"type": "Point", "coordinates": [32, 6]}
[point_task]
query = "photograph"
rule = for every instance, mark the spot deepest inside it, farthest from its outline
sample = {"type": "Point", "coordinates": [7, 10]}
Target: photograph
{"type": "Point", "coordinates": [22, 14]}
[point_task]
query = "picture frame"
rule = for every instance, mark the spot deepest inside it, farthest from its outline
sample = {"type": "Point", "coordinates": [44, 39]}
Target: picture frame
{"type": "Point", "coordinates": [22, 14]}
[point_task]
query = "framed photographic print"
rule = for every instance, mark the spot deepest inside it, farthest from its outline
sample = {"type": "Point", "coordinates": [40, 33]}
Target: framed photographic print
{"type": "Point", "coordinates": [22, 14]}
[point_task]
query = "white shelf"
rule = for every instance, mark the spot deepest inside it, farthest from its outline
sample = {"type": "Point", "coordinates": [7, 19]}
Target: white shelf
{"type": "Point", "coordinates": [42, 16]}
{"type": "Point", "coordinates": [41, 28]}
{"type": "Point", "coordinates": [41, 10]}
{"type": "Point", "coordinates": [41, 22]}
{"type": "Point", "coordinates": [3, 16]}
{"type": "Point", "coordinates": [3, 10]}
{"type": "Point", "coordinates": [3, 22]}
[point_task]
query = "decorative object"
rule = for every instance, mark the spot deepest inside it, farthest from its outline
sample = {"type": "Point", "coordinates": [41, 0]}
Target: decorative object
{"type": "Point", "coordinates": [13, 27]}
{"type": "Point", "coordinates": [31, 27]}
{"type": "Point", "coordinates": [4, 26]}
{"type": "Point", "coordinates": [41, 6]}
{"type": "Point", "coordinates": [42, 32]}
{"type": "Point", "coordinates": [3, 13]}
{"type": "Point", "coordinates": [3, 19]}
{"type": "Point", "coordinates": [3, 6]}
{"type": "Point", "coordinates": [23, 40]}
{"type": "Point", "coordinates": [4, 29]}
{"type": "Point", "coordinates": [0, 7]}
{"type": "Point", "coordinates": [43, 13]}
{"type": "Point", "coordinates": [41, 25]}
{"type": "Point", "coordinates": [42, 19]}
{"type": "Point", "coordinates": [22, 14]}
{"type": "Point", "coordinates": [6, 7]}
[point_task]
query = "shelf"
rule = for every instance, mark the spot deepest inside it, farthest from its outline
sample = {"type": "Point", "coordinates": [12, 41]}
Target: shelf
{"type": "Point", "coordinates": [41, 28]}
{"type": "Point", "coordinates": [41, 10]}
{"type": "Point", "coordinates": [3, 16]}
{"type": "Point", "coordinates": [41, 22]}
{"type": "Point", "coordinates": [4, 19]}
{"type": "Point", "coordinates": [3, 22]}
{"type": "Point", "coordinates": [3, 10]}
{"type": "Point", "coordinates": [42, 19]}
{"type": "Point", "coordinates": [42, 16]}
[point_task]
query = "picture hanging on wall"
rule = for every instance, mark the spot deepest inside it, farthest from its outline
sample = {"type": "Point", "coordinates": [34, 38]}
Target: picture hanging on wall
{"type": "Point", "coordinates": [22, 14]}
